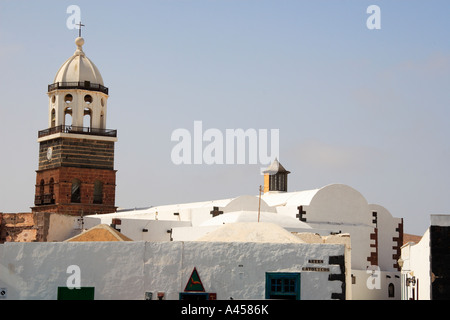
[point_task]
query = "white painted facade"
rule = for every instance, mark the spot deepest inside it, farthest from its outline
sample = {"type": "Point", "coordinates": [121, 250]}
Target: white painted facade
{"type": "Point", "coordinates": [127, 270]}
{"type": "Point", "coordinates": [416, 266]}
{"type": "Point", "coordinates": [332, 209]}
{"type": "Point", "coordinates": [417, 275]}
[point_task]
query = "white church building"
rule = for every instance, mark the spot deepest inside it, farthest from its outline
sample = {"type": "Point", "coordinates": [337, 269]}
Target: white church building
{"type": "Point", "coordinates": [376, 236]}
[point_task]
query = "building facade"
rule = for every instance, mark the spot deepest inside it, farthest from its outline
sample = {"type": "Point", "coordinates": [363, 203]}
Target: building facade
{"type": "Point", "coordinates": [425, 271]}
{"type": "Point", "coordinates": [138, 270]}
{"type": "Point", "coordinates": [376, 236]}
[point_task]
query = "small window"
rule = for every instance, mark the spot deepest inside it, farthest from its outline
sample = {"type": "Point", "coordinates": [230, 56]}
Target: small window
{"type": "Point", "coordinates": [51, 186]}
{"type": "Point", "coordinates": [68, 98]}
{"type": "Point", "coordinates": [391, 290]}
{"type": "Point", "coordinates": [53, 99]}
{"type": "Point", "coordinates": [283, 286]}
{"type": "Point", "coordinates": [98, 192]}
{"type": "Point", "coordinates": [88, 99]}
{"type": "Point", "coordinates": [76, 191]}
{"type": "Point", "coordinates": [50, 198]}
{"type": "Point", "coordinates": [41, 187]}
{"type": "Point", "coordinates": [102, 120]}
{"type": "Point", "coordinates": [53, 118]}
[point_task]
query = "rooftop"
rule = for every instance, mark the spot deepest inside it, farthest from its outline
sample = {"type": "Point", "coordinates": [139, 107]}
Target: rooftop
{"type": "Point", "coordinates": [101, 232]}
{"type": "Point", "coordinates": [251, 232]}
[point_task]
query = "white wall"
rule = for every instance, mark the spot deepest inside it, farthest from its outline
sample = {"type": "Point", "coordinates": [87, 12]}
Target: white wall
{"type": "Point", "coordinates": [342, 208]}
{"type": "Point", "coordinates": [374, 286]}
{"type": "Point", "coordinates": [157, 229]}
{"type": "Point", "coordinates": [386, 232]}
{"type": "Point", "coordinates": [133, 227]}
{"type": "Point", "coordinates": [339, 203]}
{"type": "Point", "coordinates": [191, 233]}
{"type": "Point", "coordinates": [416, 264]}
{"type": "Point", "coordinates": [126, 270]}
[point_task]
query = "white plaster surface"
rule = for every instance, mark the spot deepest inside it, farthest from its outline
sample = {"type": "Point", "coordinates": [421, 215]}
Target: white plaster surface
{"type": "Point", "coordinates": [126, 270]}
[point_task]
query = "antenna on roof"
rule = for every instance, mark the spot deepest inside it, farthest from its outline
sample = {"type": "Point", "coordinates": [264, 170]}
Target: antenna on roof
{"type": "Point", "coordinates": [259, 206]}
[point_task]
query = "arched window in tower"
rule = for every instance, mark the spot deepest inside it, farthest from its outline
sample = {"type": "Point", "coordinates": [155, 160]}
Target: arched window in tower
{"type": "Point", "coordinates": [98, 192]}
{"type": "Point", "coordinates": [88, 99]}
{"type": "Point", "coordinates": [68, 116]}
{"type": "Point", "coordinates": [51, 187]}
{"type": "Point", "coordinates": [102, 120]}
{"type": "Point", "coordinates": [53, 118]}
{"type": "Point", "coordinates": [41, 187]}
{"type": "Point", "coordinates": [68, 98]}
{"type": "Point", "coordinates": [87, 118]}
{"type": "Point", "coordinates": [76, 191]}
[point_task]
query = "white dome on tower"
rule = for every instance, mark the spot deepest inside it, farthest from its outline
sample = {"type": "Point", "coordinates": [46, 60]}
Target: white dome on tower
{"type": "Point", "coordinates": [79, 68]}
{"type": "Point", "coordinates": [77, 96]}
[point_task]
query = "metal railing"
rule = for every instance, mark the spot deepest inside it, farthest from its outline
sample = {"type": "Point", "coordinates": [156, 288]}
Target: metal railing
{"type": "Point", "coordinates": [77, 130]}
{"type": "Point", "coordinates": [86, 85]}
{"type": "Point", "coordinates": [44, 199]}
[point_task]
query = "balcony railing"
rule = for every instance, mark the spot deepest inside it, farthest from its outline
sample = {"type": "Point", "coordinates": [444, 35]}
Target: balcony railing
{"type": "Point", "coordinates": [86, 85]}
{"type": "Point", "coordinates": [44, 199]}
{"type": "Point", "coordinates": [77, 130]}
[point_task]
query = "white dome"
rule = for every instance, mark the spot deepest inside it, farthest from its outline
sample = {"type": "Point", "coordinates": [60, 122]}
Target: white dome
{"type": "Point", "coordinates": [78, 68]}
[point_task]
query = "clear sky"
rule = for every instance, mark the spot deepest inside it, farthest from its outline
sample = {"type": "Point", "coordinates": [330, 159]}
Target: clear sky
{"type": "Point", "coordinates": [366, 108]}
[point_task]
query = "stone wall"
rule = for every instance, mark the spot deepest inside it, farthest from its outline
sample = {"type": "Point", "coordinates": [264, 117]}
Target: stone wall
{"type": "Point", "coordinates": [17, 227]}
{"type": "Point", "coordinates": [82, 153]}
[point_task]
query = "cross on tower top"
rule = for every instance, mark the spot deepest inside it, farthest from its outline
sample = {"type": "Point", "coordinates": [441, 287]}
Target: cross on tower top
{"type": "Point", "coordinates": [79, 24]}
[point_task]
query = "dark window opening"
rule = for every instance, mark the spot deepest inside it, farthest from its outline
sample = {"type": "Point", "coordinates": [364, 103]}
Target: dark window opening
{"type": "Point", "coordinates": [98, 192]}
{"type": "Point", "coordinates": [278, 182]}
{"type": "Point", "coordinates": [41, 187]}
{"type": "Point", "coordinates": [76, 191]}
{"type": "Point", "coordinates": [52, 186]}
{"type": "Point", "coordinates": [53, 118]}
{"type": "Point", "coordinates": [391, 290]}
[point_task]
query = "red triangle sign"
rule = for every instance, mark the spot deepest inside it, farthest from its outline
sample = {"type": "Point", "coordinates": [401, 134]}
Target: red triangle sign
{"type": "Point", "coordinates": [194, 283]}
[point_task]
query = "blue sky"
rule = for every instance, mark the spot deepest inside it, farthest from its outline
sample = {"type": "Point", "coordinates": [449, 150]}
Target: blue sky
{"type": "Point", "coordinates": [367, 108]}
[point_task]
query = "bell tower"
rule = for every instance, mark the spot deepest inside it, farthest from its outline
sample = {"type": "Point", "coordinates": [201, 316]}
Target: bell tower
{"type": "Point", "coordinates": [76, 174]}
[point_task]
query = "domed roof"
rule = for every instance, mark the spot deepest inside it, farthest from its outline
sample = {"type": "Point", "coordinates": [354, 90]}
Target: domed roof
{"type": "Point", "coordinates": [78, 68]}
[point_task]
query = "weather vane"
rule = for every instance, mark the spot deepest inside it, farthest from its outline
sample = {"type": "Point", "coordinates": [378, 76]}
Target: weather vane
{"type": "Point", "coordinates": [79, 28]}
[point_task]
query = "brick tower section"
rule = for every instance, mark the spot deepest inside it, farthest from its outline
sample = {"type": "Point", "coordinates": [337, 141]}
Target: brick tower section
{"type": "Point", "coordinates": [76, 175]}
